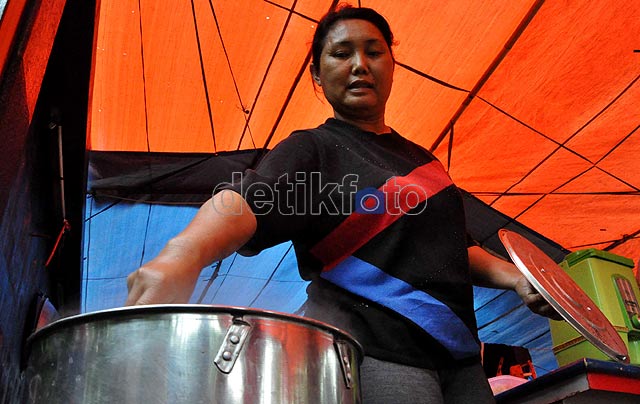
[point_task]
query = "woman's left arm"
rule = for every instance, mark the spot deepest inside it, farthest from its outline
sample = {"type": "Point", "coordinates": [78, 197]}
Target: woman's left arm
{"type": "Point", "coordinates": [492, 272]}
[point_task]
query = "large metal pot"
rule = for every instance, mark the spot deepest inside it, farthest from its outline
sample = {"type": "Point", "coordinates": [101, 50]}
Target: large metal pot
{"type": "Point", "coordinates": [191, 354]}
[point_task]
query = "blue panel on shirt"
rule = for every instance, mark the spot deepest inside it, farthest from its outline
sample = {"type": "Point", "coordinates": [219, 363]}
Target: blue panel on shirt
{"type": "Point", "coordinates": [433, 316]}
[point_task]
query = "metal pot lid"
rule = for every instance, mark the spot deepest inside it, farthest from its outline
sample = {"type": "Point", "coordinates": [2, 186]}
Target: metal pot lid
{"type": "Point", "coordinates": [564, 295]}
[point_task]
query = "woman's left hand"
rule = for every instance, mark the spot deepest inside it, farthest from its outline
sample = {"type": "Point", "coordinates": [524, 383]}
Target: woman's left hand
{"type": "Point", "coordinates": [534, 300]}
{"type": "Point", "coordinates": [490, 271]}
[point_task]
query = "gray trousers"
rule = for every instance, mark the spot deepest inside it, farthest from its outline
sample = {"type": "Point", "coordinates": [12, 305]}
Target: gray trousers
{"type": "Point", "coordinates": [392, 383]}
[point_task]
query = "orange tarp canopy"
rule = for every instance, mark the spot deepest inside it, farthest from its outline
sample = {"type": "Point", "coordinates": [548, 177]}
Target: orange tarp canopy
{"type": "Point", "coordinates": [533, 105]}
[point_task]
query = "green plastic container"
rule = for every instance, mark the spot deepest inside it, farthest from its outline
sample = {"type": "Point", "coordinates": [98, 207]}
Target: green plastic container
{"type": "Point", "coordinates": [608, 280]}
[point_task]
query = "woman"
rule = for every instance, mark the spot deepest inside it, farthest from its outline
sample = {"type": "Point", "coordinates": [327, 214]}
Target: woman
{"type": "Point", "coordinates": [385, 265]}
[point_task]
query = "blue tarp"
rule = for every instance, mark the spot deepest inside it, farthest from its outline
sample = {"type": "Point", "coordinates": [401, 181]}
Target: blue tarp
{"type": "Point", "coordinates": [120, 237]}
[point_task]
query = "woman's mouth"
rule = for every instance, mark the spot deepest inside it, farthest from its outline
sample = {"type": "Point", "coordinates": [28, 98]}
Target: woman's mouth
{"type": "Point", "coordinates": [359, 84]}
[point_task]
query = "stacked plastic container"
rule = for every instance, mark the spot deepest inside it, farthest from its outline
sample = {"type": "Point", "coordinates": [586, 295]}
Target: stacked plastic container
{"type": "Point", "coordinates": [608, 279]}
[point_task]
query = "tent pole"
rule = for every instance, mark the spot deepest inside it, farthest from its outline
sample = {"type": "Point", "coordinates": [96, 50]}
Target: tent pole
{"type": "Point", "coordinates": [61, 167]}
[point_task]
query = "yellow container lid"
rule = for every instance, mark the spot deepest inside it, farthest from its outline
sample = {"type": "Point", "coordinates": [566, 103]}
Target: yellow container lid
{"type": "Point", "coordinates": [577, 256]}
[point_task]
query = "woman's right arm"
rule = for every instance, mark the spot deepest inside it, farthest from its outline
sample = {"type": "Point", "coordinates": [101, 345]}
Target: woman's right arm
{"type": "Point", "coordinates": [221, 226]}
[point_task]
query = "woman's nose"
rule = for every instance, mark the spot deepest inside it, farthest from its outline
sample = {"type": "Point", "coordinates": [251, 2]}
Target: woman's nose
{"type": "Point", "coordinates": [359, 63]}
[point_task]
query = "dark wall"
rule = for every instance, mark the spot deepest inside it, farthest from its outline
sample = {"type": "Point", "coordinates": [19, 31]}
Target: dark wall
{"type": "Point", "coordinates": [30, 203]}
{"type": "Point", "coordinates": [63, 102]}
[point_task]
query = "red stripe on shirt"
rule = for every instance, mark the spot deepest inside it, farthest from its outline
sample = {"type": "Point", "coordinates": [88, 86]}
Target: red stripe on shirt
{"type": "Point", "coordinates": [401, 193]}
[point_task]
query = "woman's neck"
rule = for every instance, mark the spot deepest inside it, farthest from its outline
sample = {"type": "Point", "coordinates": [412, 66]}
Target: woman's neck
{"type": "Point", "coordinates": [375, 125]}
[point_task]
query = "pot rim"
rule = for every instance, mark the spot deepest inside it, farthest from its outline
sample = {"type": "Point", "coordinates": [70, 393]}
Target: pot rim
{"type": "Point", "coordinates": [235, 311]}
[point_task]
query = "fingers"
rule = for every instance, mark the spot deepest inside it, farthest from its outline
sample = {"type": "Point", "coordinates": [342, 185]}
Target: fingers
{"type": "Point", "coordinates": [535, 301]}
{"type": "Point", "coordinates": [133, 289]}
{"type": "Point", "coordinates": [159, 285]}
{"type": "Point", "coordinates": [537, 304]}
{"type": "Point", "coordinates": [131, 279]}
{"type": "Point", "coordinates": [137, 285]}
{"type": "Point", "coordinates": [551, 313]}
{"type": "Point", "coordinates": [145, 298]}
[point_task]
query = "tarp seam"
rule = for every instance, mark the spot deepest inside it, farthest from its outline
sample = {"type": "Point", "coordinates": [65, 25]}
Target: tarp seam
{"type": "Point", "coordinates": [204, 76]}
{"type": "Point", "coordinates": [563, 146]}
{"type": "Point", "coordinates": [144, 82]}
{"type": "Point", "coordinates": [291, 10]}
{"type": "Point", "coordinates": [146, 233]}
{"type": "Point", "coordinates": [302, 70]}
{"type": "Point", "coordinates": [491, 69]}
{"type": "Point", "coordinates": [233, 77]}
{"type": "Point", "coordinates": [212, 278]}
{"type": "Point", "coordinates": [264, 79]}
{"type": "Point", "coordinates": [103, 210]}
{"type": "Point", "coordinates": [224, 276]}
{"type": "Point", "coordinates": [271, 276]}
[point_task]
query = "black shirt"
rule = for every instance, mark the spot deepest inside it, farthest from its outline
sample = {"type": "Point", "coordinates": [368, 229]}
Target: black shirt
{"type": "Point", "coordinates": [378, 227]}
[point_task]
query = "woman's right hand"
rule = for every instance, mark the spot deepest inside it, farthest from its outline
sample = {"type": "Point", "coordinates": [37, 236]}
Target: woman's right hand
{"type": "Point", "coordinates": [160, 282]}
{"type": "Point", "coordinates": [221, 226]}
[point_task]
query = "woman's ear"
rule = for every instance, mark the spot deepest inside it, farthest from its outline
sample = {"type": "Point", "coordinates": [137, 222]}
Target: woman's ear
{"type": "Point", "coordinates": [314, 74]}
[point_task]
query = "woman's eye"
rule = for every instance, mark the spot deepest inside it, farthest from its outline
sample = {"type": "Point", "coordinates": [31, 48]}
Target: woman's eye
{"type": "Point", "coordinates": [340, 54]}
{"type": "Point", "coordinates": [374, 53]}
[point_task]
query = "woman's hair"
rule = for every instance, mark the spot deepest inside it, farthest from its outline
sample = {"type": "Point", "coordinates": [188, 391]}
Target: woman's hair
{"type": "Point", "coordinates": [347, 12]}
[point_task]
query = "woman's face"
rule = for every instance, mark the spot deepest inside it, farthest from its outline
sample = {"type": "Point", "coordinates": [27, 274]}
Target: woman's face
{"type": "Point", "coordinates": [356, 70]}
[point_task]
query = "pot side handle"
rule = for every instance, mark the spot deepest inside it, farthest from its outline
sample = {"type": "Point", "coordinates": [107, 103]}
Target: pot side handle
{"type": "Point", "coordinates": [231, 345]}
